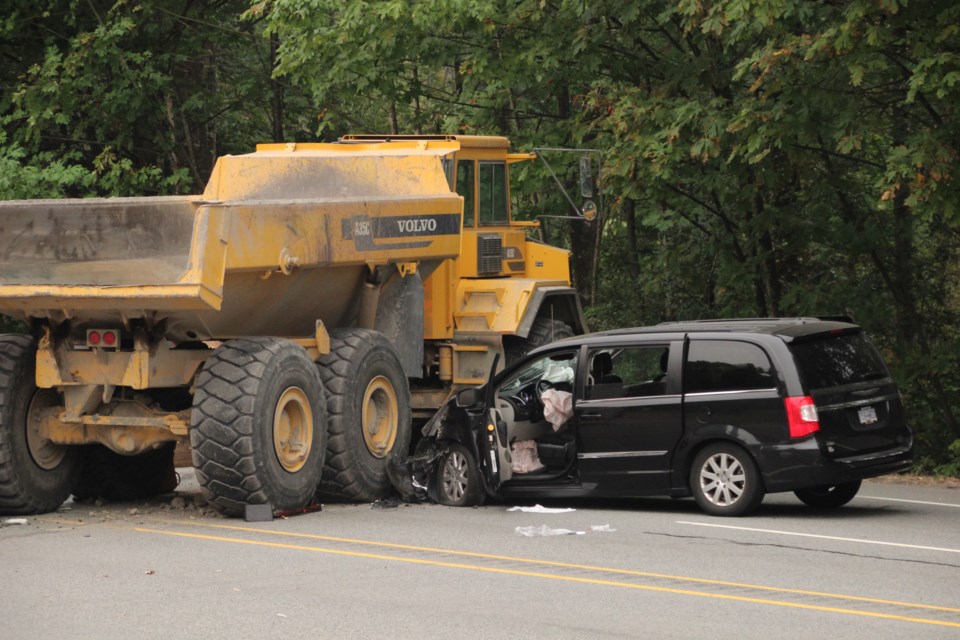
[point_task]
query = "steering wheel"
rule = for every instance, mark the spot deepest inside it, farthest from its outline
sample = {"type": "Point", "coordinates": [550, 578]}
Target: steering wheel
{"type": "Point", "coordinates": [542, 386]}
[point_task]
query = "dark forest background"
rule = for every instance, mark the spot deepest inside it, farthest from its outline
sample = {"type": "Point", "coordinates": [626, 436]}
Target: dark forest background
{"type": "Point", "coordinates": [759, 157]}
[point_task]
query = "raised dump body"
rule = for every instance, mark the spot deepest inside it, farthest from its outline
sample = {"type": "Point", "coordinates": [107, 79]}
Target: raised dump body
{"type": "Point", "coordinates": [279, 240]}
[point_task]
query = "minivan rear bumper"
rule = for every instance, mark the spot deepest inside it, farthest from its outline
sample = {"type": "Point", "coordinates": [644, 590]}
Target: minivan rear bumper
{"type": "Point", "coordinates": [802, 465]}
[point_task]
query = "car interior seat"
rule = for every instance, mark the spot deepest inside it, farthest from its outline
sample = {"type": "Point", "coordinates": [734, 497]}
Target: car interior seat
{"type": "Point", "coordinates": [602, 369]}
{"type": "Point", "coordinates": [605, 384]}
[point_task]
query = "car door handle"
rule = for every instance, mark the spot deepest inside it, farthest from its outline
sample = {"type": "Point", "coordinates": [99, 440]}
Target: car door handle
{"type": "Point", "coordinates": [591, 416]}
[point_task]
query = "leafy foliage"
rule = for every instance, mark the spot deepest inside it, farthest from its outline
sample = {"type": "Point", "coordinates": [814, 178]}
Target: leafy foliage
{"type": "Point", "coordinates": [105, 97]}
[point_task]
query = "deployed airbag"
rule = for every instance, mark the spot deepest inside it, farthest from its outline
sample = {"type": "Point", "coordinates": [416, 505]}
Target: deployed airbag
{"type": "Point", "coordinates": [557, 407]}
{"type": "Point", "coordinates": [525, 458]}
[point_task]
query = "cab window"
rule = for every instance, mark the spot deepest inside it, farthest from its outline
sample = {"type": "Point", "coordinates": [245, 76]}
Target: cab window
{"type": "Point", "coordinates": [465, 187]}
{"type": "Point", "coordinates": [493, 193]}
{"type": "Point", "coordinates": [448, 163]}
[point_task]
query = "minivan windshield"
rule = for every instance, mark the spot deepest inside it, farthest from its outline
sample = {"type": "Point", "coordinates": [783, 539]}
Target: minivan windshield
{"type": "Point", "coordinates": [838, 359]}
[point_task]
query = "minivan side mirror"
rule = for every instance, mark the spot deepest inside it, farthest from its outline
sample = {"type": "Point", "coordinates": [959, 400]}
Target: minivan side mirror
{"type": "Point", "coordinates": [469, 397]}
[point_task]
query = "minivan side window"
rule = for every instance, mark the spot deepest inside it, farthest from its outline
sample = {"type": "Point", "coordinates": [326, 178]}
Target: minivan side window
{"type": "Point", "coordinates": [726, 365]}
{"type": "Point", "coordinates": [630, 372]}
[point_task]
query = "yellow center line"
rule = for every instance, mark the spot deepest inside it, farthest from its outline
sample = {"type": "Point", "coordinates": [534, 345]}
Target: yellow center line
{"type": "Point", "coordinates": [534, 574]}
{"type": "Point", "coordinates": [583, 567]}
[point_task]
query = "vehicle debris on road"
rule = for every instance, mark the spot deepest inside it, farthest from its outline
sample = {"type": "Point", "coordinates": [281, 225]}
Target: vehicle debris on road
{"type": "Point", "coordinates": [14, 521]}
{"type": "Point", "coordinates": [541, 509]}
{"type": "Point", "coordinates": [545, 531]}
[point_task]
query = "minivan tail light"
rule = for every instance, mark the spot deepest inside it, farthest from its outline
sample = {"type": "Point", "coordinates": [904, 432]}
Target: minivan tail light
{"type": "Point", "coordinates": [801, 416]}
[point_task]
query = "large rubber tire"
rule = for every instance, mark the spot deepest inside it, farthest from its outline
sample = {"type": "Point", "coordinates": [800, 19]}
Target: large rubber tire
{"type": "Point", "coordinates": [724, 481]}
{"type": "Point", "coordinates": [111, 476]}
{"type": "Point", "coordinates": [258, 426]}
{"type": "Point", "coordinates": [35, 475]}
{"type": "Point", "coordinates": [830, 496]}
{"type": "Point", "coordinates": [458, 478]}
{"type": "Point", "coordinates": [368, 401]}
{"type": "Point", "coordinates": [544, 331]}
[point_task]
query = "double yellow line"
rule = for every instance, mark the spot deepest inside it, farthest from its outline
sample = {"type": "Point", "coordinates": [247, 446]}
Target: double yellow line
{"type": "Point", "coordinates": [560, 577]}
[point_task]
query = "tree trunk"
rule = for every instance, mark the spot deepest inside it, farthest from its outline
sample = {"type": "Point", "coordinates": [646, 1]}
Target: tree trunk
{"type": "Point", "coordinates": [276, 89]}
{"type": "Point", "coordinates": [633, 260]}
{"type": "Point", "coordinates": [771, 275]}
{"type": "Point", "coordinates": [902, 272]}
{"type": "Point", "coordinates": [582, 245]}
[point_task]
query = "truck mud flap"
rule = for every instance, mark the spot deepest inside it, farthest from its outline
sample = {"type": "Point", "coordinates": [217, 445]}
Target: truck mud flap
{"type": "Point", "coordinates": [400, 319]}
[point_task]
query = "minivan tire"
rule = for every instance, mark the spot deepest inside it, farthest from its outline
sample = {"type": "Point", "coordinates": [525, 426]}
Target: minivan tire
{"type": "Point", "coordinates": [829, 496]}
{"type": "Point", "coordinates": [724, 481]}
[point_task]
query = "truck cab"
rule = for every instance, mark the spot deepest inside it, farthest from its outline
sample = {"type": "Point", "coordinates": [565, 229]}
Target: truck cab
{"type": "Point", "coordinates": [505, 293]}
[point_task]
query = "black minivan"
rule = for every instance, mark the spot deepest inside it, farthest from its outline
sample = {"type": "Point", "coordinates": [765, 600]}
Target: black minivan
{"type": "Point", "coordinates": [723, 410]}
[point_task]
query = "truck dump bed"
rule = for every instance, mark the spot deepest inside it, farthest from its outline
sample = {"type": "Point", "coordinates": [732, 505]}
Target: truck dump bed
{"type": "Point", "coordinates": [119, 241]}
{"type": "Point", "coordinates": [279, 239]}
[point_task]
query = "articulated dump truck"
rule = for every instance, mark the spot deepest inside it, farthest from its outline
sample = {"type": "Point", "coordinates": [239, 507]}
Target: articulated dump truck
{"type": "Point", "coordinates": [290, 324]}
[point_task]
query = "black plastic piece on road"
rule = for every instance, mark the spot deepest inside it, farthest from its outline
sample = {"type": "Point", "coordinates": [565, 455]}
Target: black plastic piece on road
{"type": "Point", "coordinates": [258, 512]}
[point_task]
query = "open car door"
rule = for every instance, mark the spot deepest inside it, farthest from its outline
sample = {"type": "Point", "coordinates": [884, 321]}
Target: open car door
{"type": "Point", "coordinates": [490, 431]}
{"type": "Point", "coordinates": [495, 446]}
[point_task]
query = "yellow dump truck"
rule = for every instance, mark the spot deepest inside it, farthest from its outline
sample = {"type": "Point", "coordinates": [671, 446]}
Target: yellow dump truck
{"type": "Point", "coordinates": [289, 323]}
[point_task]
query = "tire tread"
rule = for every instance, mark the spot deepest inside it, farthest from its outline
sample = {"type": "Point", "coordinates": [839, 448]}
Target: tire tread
{"type": "Point", "coordinates": [341, 479]}
{"type": "Point", "coordinates": [16, 352]}
{"type": "Point", "coordinates": [543, 332]}
{"type": "Point", "coordinates": [223, 423]}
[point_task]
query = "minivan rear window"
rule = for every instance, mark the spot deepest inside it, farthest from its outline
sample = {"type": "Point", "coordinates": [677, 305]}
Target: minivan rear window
{"type": "Point", "coordinates": [837, 359]}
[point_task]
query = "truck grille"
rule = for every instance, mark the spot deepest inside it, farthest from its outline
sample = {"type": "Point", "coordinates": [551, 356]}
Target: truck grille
{"type": "Point", "coordinates": [489, 254]}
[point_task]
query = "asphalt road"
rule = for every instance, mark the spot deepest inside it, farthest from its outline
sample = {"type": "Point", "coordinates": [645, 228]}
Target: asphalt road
{"type": "Point", "coordinates": [885, 566]}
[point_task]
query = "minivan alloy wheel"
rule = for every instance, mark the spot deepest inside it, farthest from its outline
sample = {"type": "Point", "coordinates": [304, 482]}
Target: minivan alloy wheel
{"type": "Point", "coordinates": [458, 479]}
{"type": "Point", "coordinates": [455, 476]}
{"type": "Point", "coordinates": [724, 480]}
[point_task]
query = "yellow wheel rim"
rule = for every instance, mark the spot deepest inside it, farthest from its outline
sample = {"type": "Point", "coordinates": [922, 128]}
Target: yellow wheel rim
{"type": "Point", "coordinates": [380, 416]}
{"type": "Point", "coordinates": [45, 453]}
{"type": "Point", "coordinates": [293, 429]}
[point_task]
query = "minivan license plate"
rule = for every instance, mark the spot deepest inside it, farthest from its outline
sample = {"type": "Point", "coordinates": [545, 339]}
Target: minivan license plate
{"type": "Point", "coordinates": [867, 415]}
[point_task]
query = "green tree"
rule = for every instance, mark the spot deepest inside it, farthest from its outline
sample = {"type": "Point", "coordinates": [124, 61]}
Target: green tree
{"type": "Point", "coordinates": [111, 97]}
{"type": "Point", "coordinates": [811, 149]}
{"type": "Point", "coordinates": [764, 158]}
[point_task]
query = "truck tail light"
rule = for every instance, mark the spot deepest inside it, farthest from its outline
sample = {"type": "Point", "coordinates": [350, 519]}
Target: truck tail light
{"type": "Point", "coordinates": [801, 416]}
{"type": "Point", "coordinates": [103, 338]}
